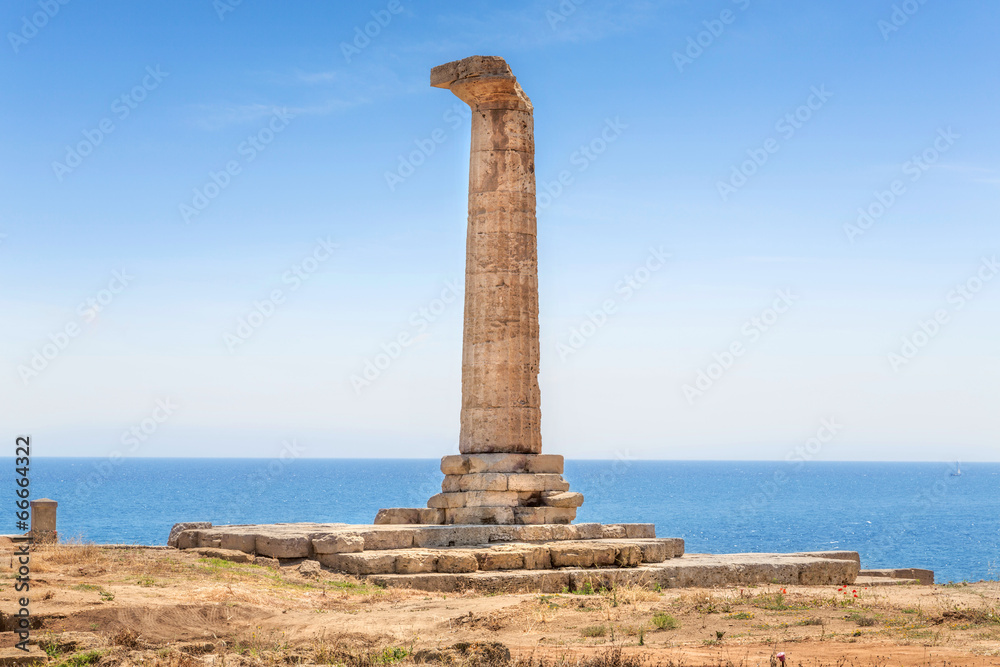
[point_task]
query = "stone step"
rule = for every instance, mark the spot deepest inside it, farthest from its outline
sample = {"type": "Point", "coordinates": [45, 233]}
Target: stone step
{"type": "Point", "coordinates": [884, 581]}
{"type": "Point", "coordinates": [925, 577]}
{"type": "Point", "coordinates": [467, 464]}
{"type": "Point", "coordinates": [507, 556]}
{"type": "Point", "coordinates": [302, 540]}
{"type": "Point", "coordinates": [690, 571]}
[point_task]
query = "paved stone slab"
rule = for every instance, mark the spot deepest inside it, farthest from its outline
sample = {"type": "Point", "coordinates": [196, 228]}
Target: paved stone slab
{"type": "Point", "coordinates": [925, 577]}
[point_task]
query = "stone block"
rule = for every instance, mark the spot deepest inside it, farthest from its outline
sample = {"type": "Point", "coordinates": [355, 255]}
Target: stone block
{"type": "Point", "coordinates": [628, 555]}
{"type": "Point", "coordinates": [535, 533]}
{"type": "Point", "coordinates": [613, 531]}
{"type": "Point", "coordinates": [537, 558]}
{"type": "Point", "coordinates": [266, 561]}
{"type": "Point", "coordinates": [188, 539]}
{"type": "Point", "coordinates": [283, 546]}
{"type": "Point", "coordinates": [486, 481]}
{"type": "Point", "coordinates": [655, 551]}
{"type": "Point", "coordinates": [604, 553]}
{"type": "Point", "coordinates": [500, 558]}
{"type": "Point", "coordinates": [545, 463]}
{"type": "Point", "coordinates": [429, 538]}
{"type": "Point", "coordinates": [209, 538]}
{"type": "Point", "coordinates": [457, 561]}
{"type": "Point", "coordinates": [571, 555]}
{"type": "Point", "coordinates": [536, 482]}
{"type": "Point", "coordinates": [378, 540]}
{"type": "Point", "coordinates": [451, 484]}
{"type": "Point", "coordinates": [531, 515]}
{"type": "Point", "coordinates": [635, 531]}
{"type": "Point", "coordinates": [231, 555]}
{"type": "Point", "coordinates": [309, 568]}
{"type": "Point", "coordinates": [560, 515]}
{"type": "Point", "coordinates": [562, 498]}
{"type": "Point", "coordinates": [364, 563]}
{"type": "Point", "coordinates": [446, 500]}
{"type": "Point", "coordinates": [562, 532]}
{"type": "Point", "coordinates": [416, 562]}
{"type": "Point", "coordinates": [408, 516]}
{"type": "Point", "coordinates": [344, 543]}
{"type": "Point", "coordinates": [181, 527]}
{"type": "Point", "coordinates": [491, 499]}
{"type": "Point", "coordinates": [588, 531]}
{"type": "Point", "coordinates": [480, 515]}
{"type": "Point", "coordinates": [245, 542]}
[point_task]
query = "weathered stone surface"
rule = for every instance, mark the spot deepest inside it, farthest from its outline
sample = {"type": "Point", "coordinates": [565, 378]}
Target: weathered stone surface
{"type": "Point", "coordinates": [231, 555]}
{"type": "Point", "coordinates": [537, 558]}
{"type": "Point", "coordinates": [655, 551]}
{"type": "Point", "coordinates": [588, 531]}
{"type": "Point", "coordinates": [479, 515]}
{"type": "Point", "coordinates": [283, 546]}
{"type": "Point", "coordinates": [562, 498]}
{"type": "Point", "coordinates": [489, 481]}
{"type": "Point", "coordinates": [15, 657]}
{"type": "Point", "coordinates": [639, 530]}
{"type": "Point", "coordinates": [267, 561]}
{"type": "Point", "coordinates": [364, 563]}
{"type": "Point", "coordinates": [571, 555]}
{"type": "Point", "coordinates": [416, 562]}
{"type": "Point", "coordinates": [923, 577]}
{"type": "Point", "coordinates": [545, 463]}
{"type": "Point", "coordinates": [613, 531]}
{"type": "Point", "coordinates": [628, 555]}
{"type": "Point", "coordinates": [246, 543]}
{"type": "Point", "coordinates": [386, 538]}
{"type": "Point", "coordinates": [188, 539]}
{"type": "Point", "coordinates": [491, 499]}
{"type": "Point", "coordinates": [500, 558]}
{"type": "Point", "coordinates": [180, 527]}
{"type": "Point", "coordinates": [397, 515]}
{"type": "Point", "coordinates": [339, 544]}
{"type": "Point", "coordinates": [309, 568]}
{"type": "Point", "coordinates": [832, 555]}
{"type": "Point", "coordinates": [446, 500]}
{"type": "Point", "coordinates": [536, 482]}
{"type": "Point", "coordinates": [457, 561]}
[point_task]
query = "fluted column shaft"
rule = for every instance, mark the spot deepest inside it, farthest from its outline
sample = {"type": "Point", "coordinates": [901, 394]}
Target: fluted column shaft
{"type": "Point", "coordinates": [500, 352]}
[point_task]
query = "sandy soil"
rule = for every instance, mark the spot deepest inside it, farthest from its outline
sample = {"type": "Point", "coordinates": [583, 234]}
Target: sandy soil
{"type": "Point", "coordinates": [144, 606]}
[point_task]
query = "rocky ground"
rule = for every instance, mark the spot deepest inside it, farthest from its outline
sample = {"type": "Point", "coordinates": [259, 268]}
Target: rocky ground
{"type": "Point", "coordinates": [112, 606]}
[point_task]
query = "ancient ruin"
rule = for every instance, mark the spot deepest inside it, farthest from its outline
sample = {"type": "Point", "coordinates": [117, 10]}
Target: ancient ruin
{"type": "Point", "coordinates": [501, 476]}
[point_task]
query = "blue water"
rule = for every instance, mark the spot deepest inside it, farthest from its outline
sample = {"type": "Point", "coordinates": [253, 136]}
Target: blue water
{"type": "Point", "coordinates": [894, 514]}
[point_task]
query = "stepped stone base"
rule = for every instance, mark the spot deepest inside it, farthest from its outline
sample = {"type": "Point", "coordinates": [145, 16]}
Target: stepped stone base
{"type": "Point", "coordinates": [487, 489]}
{"type": "Point", "coordinates": [508, 558]}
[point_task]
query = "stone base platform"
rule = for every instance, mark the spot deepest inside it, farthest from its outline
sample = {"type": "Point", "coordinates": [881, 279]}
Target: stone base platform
{"type": "Point", "coordinates": [509, 558]}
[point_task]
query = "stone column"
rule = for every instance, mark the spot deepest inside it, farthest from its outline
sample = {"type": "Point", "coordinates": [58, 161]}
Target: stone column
{"type": "Point", "coordinates": [500, 352]}
{"type": "Point", "coordinates": [43, 520]}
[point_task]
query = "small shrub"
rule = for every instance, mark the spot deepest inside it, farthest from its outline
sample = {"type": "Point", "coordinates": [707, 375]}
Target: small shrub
{"type": "Point", "coordinates": [811, 621]}
{"type": "Point", "coordinates": [741, 616]}
{"type": "Point", "coordinates": [665, 622]}
{"type": "Point", "coordinates": [862, 620]}
{"type": "Point", "coordinates": [594, 631]}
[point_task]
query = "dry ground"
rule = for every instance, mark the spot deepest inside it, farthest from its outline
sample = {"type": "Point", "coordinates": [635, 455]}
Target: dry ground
{"type": "Point", "coordinates": [112, 606]}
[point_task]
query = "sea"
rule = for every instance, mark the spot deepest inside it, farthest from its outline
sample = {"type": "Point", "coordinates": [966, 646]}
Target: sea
{"type": "Point", "coordinates": [894, 514]}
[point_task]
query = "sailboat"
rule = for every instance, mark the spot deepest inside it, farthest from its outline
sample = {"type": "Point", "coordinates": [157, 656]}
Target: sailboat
{"type": "Point", "coordinates": [958, 470]}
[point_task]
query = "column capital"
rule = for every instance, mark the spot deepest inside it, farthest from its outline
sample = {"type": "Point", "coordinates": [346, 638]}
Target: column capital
{"type": "Point", "coordinates": [482, 82]}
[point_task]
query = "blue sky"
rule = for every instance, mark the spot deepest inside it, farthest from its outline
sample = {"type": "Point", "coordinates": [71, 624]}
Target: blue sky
{"type": "Point", "coordinates": [174, 168]}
